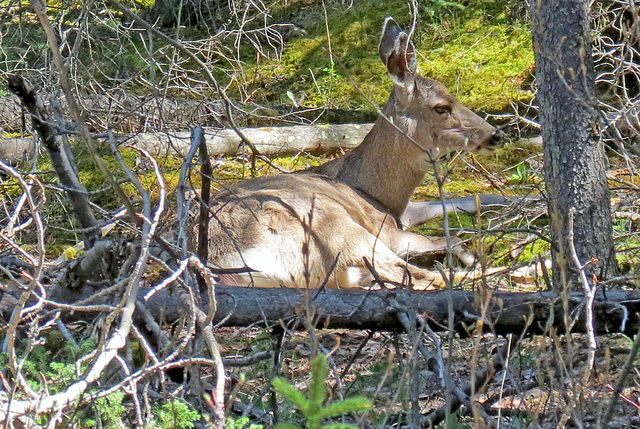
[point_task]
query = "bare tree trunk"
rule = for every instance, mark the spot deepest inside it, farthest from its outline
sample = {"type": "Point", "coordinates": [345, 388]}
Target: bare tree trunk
{"type": "Point", "coordinates": [61, 163]}
{"type": "Point", "coordinates": [575, 161]}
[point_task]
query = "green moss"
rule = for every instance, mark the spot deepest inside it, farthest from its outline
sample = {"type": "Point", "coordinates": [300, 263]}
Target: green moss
{"type": "Point", "coordinates": [479, 52]}
{"type": "Point", "coordinates": [503, 249]}
{"type": "Point", "coordinates": [457, 222]}
{"type": "Point", "coordinates": [511, 154]}
{"type": "Point", "coordinates": [534, 250]}
{"type": "Point", "coordinates": [498, 249]}
{"type": "Point", "coordinates": [482, 63]}
{"type": "Point", "coordinates": [299, 51]}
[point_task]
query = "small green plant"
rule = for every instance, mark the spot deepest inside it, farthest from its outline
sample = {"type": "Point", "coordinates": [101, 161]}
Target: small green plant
{"type": "Point", "coordinates": [435, 8]}
{"type": "Point", "coordinates": [453, 421]}
{"type": "Point", "coordinates": [176, 414]}
{"type": "Point", "coordinates": [110, 411]}
{"type": "Point", "coordinates": [292, 97]}
{"type": "Point", "coordinates": [241, 423]}
{"type": "Point", "coordinates": [621, 225]}
{"type": "Point", "coordinates": [521, 174]}
{"type": "Point", "coordinates": [331, 71]}
{"type": "Point", "coordinates": [60, 375]}
{"type": "Point", "coordinates": [313, 407]}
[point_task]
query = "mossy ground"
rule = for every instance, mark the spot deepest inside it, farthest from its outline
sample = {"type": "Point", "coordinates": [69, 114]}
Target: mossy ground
{"type": "Point", "coordinates": [481, 52]}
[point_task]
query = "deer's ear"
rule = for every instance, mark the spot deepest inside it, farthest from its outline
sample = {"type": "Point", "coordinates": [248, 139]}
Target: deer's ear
{"type": "Point", "coordinates": [397, 54]}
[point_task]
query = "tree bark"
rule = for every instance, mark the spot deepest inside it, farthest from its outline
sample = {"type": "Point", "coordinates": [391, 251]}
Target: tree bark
{"type": "Point", "coordinates": [575, 161]}
{"type": "Point", "coordinates": [509, 312]}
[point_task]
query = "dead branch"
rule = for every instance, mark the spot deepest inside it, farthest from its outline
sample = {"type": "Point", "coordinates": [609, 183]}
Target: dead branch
{"type": "Point", "coordinates": [206, 174]}
{"type": "Point", "coordinates": [462, 396]}
{"type": "Point", "coordinates": [271, 141]}
{"type": "Point", "coordinates": [56, 403]}
{"type": "Point", "coordinates": [59, 160]}
{"type": "Point", "coordinates": [622, 380]}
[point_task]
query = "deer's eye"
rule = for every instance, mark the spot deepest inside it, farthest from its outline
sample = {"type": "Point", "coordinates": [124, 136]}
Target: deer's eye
{"type": "Point", "coordinates": [442, 108]}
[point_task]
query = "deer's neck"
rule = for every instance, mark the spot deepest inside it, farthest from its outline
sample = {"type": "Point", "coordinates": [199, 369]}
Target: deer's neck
{"type": "Point", "coordinates": [387, 165]}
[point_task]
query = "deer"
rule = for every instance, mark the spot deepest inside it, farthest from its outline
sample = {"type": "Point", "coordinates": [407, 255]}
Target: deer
{"type": "Point", "coordinates": [338, 225]}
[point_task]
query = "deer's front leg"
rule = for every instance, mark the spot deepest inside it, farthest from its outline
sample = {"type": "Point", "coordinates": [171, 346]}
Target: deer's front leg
{"type": "Point", "coordinates": [408, 245]}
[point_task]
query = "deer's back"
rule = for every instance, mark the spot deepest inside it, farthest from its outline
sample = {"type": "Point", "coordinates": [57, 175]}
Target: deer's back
{"type": "Point", "coordinates": [293, 223]}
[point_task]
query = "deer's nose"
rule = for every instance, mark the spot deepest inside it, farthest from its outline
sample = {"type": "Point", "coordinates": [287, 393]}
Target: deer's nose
{"type": "Point", "coordinates": [496, 138]}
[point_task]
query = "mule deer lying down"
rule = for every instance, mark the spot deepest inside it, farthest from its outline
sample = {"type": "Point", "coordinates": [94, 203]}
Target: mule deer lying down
{"type": "Point", "coordinates": [319, 226]}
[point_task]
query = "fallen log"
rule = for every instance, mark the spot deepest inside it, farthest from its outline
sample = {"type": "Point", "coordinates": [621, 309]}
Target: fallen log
{"type": "Point", "coordinates": [270, 141]}
{"type": "Point", "coordinates": [509, 312]}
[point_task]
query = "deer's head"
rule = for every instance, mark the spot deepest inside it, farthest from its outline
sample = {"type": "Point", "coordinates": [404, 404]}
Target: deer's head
{"type": "Point", "coordinates": [423, 109]}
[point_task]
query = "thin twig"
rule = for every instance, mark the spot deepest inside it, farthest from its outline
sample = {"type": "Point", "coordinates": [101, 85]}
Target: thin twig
{"type": "Point", "coordinates": [589, 296]}
{"type": "Point", "coordinates": [481, 380]}
{"type": "Point", "coordinates": [206, 171]}
{"type": "Point", "coordinates": [197, 135]}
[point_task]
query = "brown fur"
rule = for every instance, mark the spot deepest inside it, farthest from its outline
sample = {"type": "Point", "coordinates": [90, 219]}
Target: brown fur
{"type": "Point", "coordinates": [293, 228]}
